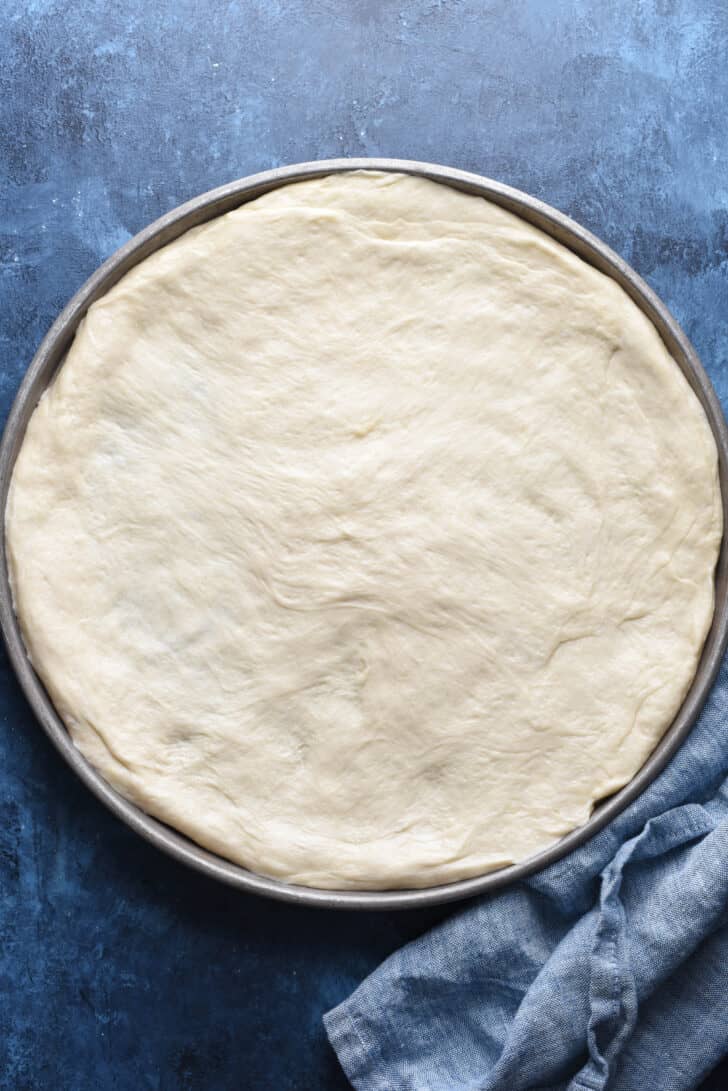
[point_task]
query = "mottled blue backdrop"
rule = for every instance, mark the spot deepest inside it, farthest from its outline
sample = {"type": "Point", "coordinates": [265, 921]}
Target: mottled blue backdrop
{"type": "Point", "coordinates": [118, 968]}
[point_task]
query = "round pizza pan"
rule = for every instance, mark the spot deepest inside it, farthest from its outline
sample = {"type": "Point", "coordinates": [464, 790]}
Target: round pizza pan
{"type": "Point", "coordinates": [49, 357]}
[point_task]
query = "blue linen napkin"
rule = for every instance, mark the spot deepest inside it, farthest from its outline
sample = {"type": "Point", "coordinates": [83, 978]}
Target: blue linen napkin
{"type": "Point", "coordinates": [608, 971]}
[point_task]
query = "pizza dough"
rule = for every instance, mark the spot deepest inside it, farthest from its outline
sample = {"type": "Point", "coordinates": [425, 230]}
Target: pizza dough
{"type": "Point", "coordinates": [367, 535]}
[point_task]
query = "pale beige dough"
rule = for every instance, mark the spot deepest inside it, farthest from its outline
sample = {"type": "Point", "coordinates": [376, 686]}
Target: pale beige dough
{"type": "Point", "coordinates": [367, 535]}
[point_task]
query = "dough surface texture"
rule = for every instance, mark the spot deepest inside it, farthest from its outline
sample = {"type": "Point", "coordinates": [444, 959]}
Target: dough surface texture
{"type": "Point", "coordinates": [367, 535]}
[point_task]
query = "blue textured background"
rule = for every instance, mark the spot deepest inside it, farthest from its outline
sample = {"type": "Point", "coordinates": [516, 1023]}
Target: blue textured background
{"type": "Point", "coordinates": [118, 968]}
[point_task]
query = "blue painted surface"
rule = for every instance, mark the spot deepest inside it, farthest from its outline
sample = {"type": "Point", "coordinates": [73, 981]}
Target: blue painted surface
{"type": "Point", "coordinates": [118, 968]}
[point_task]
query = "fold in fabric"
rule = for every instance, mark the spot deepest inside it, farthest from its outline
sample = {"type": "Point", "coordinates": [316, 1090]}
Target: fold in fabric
{"type": "Point", "coordinates": [606, 972]}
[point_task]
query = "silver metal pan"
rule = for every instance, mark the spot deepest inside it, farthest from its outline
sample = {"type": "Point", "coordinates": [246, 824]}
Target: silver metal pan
{"type": "Point", "coordinates": [49, 357]}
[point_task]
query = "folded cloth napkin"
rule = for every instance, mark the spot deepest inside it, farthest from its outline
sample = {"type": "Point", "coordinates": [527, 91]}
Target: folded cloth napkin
{"type": "Point", "coordinates": [608, 970]}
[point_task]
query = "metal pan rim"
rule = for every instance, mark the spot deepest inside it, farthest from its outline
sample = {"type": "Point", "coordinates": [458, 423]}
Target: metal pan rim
{"type": "Point", "coordinates": [50, 355]}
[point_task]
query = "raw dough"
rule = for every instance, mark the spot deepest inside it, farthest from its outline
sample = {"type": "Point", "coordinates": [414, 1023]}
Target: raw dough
{"type": "Point", "coordinates": [367, 535]}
